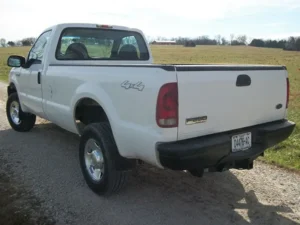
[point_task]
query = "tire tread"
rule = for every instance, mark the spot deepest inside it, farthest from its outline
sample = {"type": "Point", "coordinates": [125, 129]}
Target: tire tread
{"type": "Point", "coordinates": [117, 178]}
{"type": "Point", "coordinates": [27, 119]}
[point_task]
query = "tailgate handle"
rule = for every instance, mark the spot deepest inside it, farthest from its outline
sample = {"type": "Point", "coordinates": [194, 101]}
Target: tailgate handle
{"type": "Point", "coordinates": [243, 80]}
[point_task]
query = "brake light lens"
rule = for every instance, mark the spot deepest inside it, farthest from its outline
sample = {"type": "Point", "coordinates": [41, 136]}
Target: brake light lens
{"type": "Point", "coordinates": [287, 92]}
{"type": "Point", "coordinates": [167, 106]}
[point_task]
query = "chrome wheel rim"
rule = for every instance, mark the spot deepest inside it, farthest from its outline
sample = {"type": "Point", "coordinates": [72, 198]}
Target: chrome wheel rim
{"type": "Point", "coordinates": [14, 112]}
{"type": "Point", "coordinates": [94, 160]}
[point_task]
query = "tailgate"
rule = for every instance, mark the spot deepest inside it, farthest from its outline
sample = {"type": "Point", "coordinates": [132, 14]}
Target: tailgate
{"type": "Point", "coordinates": [214, 99]}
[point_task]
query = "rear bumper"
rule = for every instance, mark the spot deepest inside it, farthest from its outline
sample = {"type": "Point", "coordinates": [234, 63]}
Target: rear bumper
{"type": "Point", "coordinates": [214, 151]}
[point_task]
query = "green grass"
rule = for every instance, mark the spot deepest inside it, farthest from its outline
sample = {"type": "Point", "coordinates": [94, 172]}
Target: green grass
{"type": "Point", "coordinates": [4, 53]}
{"type": "Point", "coordinates": [287, 153]}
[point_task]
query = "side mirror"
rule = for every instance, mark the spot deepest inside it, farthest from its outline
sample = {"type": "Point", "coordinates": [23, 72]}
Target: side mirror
{"type": "Point", "coordinates": [15, 61]}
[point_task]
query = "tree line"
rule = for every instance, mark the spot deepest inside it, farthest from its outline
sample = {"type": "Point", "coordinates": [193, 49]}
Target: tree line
{"type": "Point", "coordinates": [24, 42]}
{"type": "Point", "coordinates": [292, 43]}
{"type": "Point", "coordinates": [206, 40]}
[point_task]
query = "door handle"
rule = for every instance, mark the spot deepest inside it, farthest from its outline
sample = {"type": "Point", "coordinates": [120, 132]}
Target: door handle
{"type": "Point", "coordinates": [39, 77]}
{"type": "Point", "coordinates": [18, 74]}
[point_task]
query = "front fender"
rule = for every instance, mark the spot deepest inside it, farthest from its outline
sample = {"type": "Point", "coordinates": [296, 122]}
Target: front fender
{"type": "Point", "coordinates": [13, 82]}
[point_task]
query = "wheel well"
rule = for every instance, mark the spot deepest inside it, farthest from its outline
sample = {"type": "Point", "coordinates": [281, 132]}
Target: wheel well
{"type": "Point", "coordinates": [88, 111]}
{"type": "Point", "coordinates": [11, 89]}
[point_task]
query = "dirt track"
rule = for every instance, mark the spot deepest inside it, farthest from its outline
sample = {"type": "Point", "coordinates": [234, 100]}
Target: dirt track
{"type": "Point", "coordinates": [45, 161]}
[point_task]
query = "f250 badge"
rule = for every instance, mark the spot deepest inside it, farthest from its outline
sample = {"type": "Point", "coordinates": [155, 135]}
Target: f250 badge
{"type": "Point", "coordinates": [200, 119]}
{"type": "Point", "coordinates": [139, 85]}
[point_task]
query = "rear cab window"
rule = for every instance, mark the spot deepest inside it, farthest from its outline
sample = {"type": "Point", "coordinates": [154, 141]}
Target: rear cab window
{"type": "Point", "coordinates": [101, 44]}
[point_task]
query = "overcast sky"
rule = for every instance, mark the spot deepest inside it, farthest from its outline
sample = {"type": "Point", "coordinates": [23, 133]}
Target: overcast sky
{"type": "Point", "coordinates": [192, 18]}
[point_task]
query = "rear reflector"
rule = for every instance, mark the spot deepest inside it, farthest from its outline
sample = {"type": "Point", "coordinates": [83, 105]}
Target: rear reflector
{"type": "Point", "coordinates": [167, 106]}
{"type": "Point", "coordinates": [287, 92]}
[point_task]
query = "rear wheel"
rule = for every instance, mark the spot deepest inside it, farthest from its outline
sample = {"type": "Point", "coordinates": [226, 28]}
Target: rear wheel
{"type": "Point", "coordinates": [97, 154]}
{"type": "Point", "coordinates": [18, 120]}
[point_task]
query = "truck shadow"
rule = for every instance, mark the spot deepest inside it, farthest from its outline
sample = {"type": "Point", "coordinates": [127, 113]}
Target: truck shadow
{"type": "Point", "coordinates": [215, 193]}
{"type": "Point", "coordinates": [176, 197]}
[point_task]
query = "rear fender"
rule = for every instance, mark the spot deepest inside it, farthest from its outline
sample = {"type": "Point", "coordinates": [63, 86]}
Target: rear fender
{"type": "Point", "coordinates": [89, 90]}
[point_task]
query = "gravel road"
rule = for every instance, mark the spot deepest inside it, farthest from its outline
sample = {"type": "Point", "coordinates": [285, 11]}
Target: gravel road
{"type": "Point", "coordinates": [45, 160]}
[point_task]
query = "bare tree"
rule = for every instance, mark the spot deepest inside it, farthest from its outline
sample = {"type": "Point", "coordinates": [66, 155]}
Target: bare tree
{"type": "Point", "coordinates": [224, 41]}
{"type": "Point", "coordinates": [149, 39]}
{"type": "Point", "coordinates": [292, 40]}
{"type": "Point", "coordinates": [231, 38]}
{"type": "Point", "coordinates": [242, 39]}
{"type": "Point", "coordinates": [2, 42]}
{"type": "Point", "coordinates": [18, 43]}
{"type": "Point", "coordinates": [291, 44]}
{"type": "Point", "coordinates": [218, 39]}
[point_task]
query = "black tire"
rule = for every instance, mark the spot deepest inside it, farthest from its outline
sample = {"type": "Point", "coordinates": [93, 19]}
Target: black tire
{"type": "Point", "coordinates": [27, 120]}
{"type": "Point", "coordinates": [197, 172]}
{"type": "Point", "coordinates": [112, 180]}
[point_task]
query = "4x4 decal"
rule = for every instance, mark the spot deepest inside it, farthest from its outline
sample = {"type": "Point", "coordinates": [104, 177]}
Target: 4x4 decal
{"type": "Point", "coordinates": [127, 85]}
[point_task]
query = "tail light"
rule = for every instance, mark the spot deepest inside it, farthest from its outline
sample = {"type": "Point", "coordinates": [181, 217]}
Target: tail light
{"type": "Point", "coordinates": [167, 106]}
{"type": "Point", "coordinates": [287, 92]}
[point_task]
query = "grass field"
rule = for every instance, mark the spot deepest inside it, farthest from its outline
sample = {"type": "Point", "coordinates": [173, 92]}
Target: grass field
{"type": "Point", "coordinates": [286, 154]}
{"type": "Point", "coordinates": [4, 53]}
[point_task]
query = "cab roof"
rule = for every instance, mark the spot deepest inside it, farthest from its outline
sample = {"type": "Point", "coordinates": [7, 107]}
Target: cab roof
{"type": "Point", "coordinates": [92, 25]}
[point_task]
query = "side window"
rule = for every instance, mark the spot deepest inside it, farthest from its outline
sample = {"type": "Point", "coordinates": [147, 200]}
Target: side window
{"type": "Point", "coordinates": [37, 50]}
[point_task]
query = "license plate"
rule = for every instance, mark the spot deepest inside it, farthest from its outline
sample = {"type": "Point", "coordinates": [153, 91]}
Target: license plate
{"type": "Point", "coordinates": [241, 142]}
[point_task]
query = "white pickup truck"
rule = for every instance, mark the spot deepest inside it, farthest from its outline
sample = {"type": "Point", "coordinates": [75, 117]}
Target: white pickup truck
{"type": "Point", "coordinates": [99, 82]}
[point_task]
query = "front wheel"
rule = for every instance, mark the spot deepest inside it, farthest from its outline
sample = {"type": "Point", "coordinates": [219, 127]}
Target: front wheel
{"type": "Point", "coordinates": [18, 120]}
{"type": "Point", "coordinates": [97, 155]}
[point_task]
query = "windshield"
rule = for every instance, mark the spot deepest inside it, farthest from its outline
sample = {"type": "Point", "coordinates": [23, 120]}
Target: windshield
{"type": "Point", "coordinates": [101, 44]}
